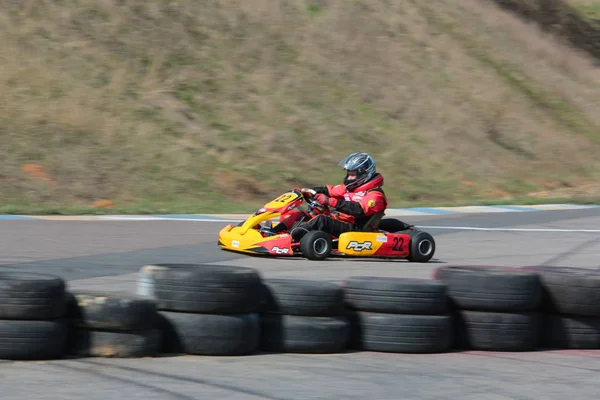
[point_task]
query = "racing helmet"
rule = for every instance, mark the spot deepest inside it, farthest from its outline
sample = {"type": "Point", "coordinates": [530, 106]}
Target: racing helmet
{"type": "Point", "coordinates": [363, 164]}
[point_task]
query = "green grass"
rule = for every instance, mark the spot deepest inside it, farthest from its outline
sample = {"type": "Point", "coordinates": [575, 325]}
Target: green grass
{"type": "Point", "coordinates": [589, 9]}
{"type": "Point", "coordinates": [146, 208]}
{"type": "Point", "coordinates": [165, 106]}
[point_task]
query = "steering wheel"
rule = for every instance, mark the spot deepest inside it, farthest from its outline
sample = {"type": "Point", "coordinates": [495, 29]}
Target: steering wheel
{"type": "Point", "coordinates": [312, 204]}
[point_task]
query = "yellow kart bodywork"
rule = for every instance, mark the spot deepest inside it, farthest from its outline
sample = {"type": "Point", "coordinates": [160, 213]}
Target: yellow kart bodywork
{"type": "Point", "coordinates": [361, 243]}
{"type": "Point", "coordinates": [246, 238]}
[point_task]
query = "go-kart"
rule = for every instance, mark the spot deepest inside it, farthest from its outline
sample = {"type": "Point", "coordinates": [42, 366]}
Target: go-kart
{"type": "Point", "coordinates": [379, 238]}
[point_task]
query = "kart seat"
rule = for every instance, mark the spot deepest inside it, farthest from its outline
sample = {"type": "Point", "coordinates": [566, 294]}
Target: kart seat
{"type": "Point", "coordinates": [372, 224]}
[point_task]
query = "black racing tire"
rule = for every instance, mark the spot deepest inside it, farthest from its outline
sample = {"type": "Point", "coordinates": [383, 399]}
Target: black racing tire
{"type": "Point", "coordinates": [392, 225]}
{"type": "Point", "coordinates": [210, 289]}
{"type": "Point", "coordinates": [567, 290]}
{"type": "Point", "coordinates": [400, 333]}
{"type": "Point", "coordinates": [302, 334]}
{"type": "Point", "coordinates": [570, 332]}
{"type": "Point", "coordinates": [422, 247]}
{"type": "Point", "coordinates": [316, 245]}
{"type": "Point", "coordinates": [117, 344]}
{"type": "Point", "coordinates": [497, 331]}
{"type": "Point", "coordinates": [31, 296]}
{"type": "Point", "coordinates": [487, 288]}
{"type": "Point", "coordinates": [33, 340]}
{"type": "Point", "coordinates": [210, 334]}
{"type": "Point", "coordinates": [115, 311]}
{"type": "Point", "coordinates": [145, 285]}
{"type": "Point", "coordinates": [302, 297]}
{"type": "Point", "coordinates": [396, 295]}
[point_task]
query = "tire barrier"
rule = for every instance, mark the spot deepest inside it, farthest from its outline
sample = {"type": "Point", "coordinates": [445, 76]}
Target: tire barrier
{"type": "Point", "coordinates": [216, 310]}
{"type": "Point", "coordinates": [145, 281]}
{"type": "Point", "coordinates": [208, 309]}
{"type": "Point", "coordinates": [112, 325]}
{"type": "Point", "coordinates": [398, 315]}
{"type": "Point", "coordinates": [145, 286]}
{"type": "Point", "coordinates": [303, 316]}
{"type": "Point", "coordinates": [570, 306]}
{"type": "Point", "coordinates": [33, 324]}
{"type": "Point", "coordinates": [495, 308]}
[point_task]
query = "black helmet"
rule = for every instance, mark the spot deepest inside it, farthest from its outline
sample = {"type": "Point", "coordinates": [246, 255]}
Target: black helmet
{"type": "Point", "coordinates": [363, 164]}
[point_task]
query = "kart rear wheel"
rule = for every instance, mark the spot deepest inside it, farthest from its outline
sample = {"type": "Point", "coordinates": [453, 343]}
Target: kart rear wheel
{"type": "Point", "coordinates": [316, 245]}
{"type": "Point", "coordinates": [422, 247]}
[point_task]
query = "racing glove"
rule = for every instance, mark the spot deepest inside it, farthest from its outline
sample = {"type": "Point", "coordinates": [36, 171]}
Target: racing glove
{"type": "Point", "coordinates": [325, 200]}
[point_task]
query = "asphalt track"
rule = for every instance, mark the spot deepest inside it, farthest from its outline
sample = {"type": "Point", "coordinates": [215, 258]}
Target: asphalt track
{"type": "Point", "coordinates": [107, 254]}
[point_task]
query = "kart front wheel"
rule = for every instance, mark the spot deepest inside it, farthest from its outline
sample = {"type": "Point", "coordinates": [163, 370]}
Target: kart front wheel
{"type": "Point", "coordinates": [316, 245]}
{"type": "Point", "coordinates": [422, 247]}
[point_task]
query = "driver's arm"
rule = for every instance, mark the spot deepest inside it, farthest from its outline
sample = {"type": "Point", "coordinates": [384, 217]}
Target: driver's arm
{"type": "Point", "coordinates": [342, 205]}
{"type": "Point", "coordinates": [336, 191]}
{"type": "Point", "coordinates": [372, 203]}
{"type": "Point", "coordinates": [353, 208]}
{"type": "Point", "coordinates": [322, 189]}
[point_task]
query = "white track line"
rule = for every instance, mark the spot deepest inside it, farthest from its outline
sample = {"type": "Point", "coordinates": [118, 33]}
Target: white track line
{"type": "Point", "coordinates": [472, 228]}
{"type": "Point", "coordinates": [462, 228]}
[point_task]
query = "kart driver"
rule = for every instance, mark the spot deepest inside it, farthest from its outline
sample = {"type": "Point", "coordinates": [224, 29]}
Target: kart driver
{"type": "Point", "coordinates": [352, 203]}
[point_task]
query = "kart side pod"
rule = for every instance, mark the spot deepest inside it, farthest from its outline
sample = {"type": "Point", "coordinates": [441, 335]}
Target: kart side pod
{"type": "Point", "coordinates": [375, 244]}
{"type": "Point", "coordinates": [415, 246]}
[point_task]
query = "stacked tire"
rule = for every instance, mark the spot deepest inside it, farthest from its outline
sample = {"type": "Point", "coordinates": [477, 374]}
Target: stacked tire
{"type": "Point", "coordinates": [570, 306]}
{"type": "Point", "coordinates": [303, 316]}
{"type": "Point", "coordinates": [496, 308]}
{"type": "Point", "coordinates": [32, 316]}
{"type": "Point", "coordinates": [145, 285]}
{"type": "Point", "coordinates": [398, 315]}
{"type": "Point", "coordinates": [112, 325]}
{"type": "Point", "coordinates": [208, 309]}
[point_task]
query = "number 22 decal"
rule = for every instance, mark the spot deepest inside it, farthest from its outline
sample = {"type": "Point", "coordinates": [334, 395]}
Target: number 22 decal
{"type": "Point", "coordinates": [283, 198]}
{"type": "Point", "coordinates": [398, 243]}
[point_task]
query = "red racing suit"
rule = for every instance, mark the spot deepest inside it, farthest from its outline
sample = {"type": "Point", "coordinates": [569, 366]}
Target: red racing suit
{"type": "Point", "coordinates": [357, 206]}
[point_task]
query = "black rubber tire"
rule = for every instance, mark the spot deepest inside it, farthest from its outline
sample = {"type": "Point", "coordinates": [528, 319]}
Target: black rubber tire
{"type": "Point", "coordinates": [210, 289]}
{"type": "Point", "coordinates": [31, 296]}
{"type": "Point", "coordinates": [392, 225]}
{"type": "Point", "coordinates": [497, 331]}
{"type": "Point", "coordinates": [483, 288]}
{"type": "Point", "coordinates": [33, 340]}
{"type": "Point", "coordinates": [301, 334]}
{"type": "Point", "coordinates": [210, 334]}
{"type": "Point", "coordinates": [570, 332]}
{"type": "Point", "coordinates": [399, 333]}
{"type": "Point", "coordinates": [422, 247]}
{"type": "Point", "coordinates": [396, 295]}
{"type": "Point", "coordinates": [309, 242]}
{"type": "Point", "coordinates": [117, 344]}
{"type": "Point", "coordinates": [566, 290]}
{"type": "Point", "coordinates": [114, 311]}
{"type": "Point", "coordinates": [302, 297]}
{"type": "Point", "coordinates": [145, 282]}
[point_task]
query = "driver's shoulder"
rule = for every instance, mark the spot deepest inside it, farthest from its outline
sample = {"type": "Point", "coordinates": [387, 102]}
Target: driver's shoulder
{"type": "Point", "coordinates": [378, 189]}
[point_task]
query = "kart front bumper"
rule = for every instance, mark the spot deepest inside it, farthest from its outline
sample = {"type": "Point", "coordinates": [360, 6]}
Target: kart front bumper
{"type": "Point", "coordinates": [252, 242]}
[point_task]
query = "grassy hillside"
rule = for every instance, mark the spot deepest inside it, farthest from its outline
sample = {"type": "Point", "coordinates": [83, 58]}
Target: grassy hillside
{"type": "Point", "coordinates": [176, 105]}
{"type": "Point", "coordinates": [588, 8]}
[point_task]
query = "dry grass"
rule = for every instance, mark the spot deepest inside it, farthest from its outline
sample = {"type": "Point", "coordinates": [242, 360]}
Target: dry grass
{"type": "Point", "coordinates": [172, 102]}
